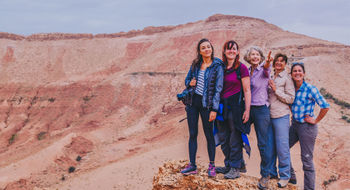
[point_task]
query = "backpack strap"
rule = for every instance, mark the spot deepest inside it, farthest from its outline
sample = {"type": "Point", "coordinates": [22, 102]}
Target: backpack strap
{"type": "Point", "coordinates": [239, 77]}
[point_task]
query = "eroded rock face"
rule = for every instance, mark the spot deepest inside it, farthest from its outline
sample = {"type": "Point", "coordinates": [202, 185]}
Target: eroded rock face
{"type": "Point", "coordinates": [111, 97]}
{"type": "Point", "coordinates": [169, 177]}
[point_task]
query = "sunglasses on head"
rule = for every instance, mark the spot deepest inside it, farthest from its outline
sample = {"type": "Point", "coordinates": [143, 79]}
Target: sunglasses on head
{"type": "Point", "coordinates": [298, 63]}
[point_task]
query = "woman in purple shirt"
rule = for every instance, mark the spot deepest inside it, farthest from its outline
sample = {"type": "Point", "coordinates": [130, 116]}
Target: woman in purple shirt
{"type": "Point", "coordinates": [259, 111]}
{"type": "Point", "coordinates": [236, 110]}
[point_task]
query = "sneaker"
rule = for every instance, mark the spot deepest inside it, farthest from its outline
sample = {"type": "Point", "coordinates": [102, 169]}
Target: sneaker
{"type": "Point", "coordinates": [222, 170]}
{"type": "Point", "coordinates": [232, 174]}
{"type": "Point", "coordinates": [243, 169]}
{"type": "Point", "coordinates": [263, 182]}
{"type": "Point", "coordinates": [211, 170]}
{"type": "Point", "coordinates": [190, 169]}
{"type": "Point", "coordinates": [293, 180]}
{"type": "Point", "coordinates": [282, 183]}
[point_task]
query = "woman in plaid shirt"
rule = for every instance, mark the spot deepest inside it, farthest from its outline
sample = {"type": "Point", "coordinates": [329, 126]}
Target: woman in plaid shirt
{"type": "Point", "coordinates": [304, 125]}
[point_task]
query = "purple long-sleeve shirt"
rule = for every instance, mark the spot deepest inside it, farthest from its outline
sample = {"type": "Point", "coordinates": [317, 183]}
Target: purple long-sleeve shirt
{"type": "Point", "coordinates": [259, 83]}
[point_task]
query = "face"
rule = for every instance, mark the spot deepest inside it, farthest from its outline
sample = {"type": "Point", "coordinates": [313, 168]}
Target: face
{"type": "Point", "coordinates": [254, 57]}
{"type": "Point", "coordinates": [280, 64]}
{"type": "Point", "coordinates": [298, 73]}
{"type": "Point", "coordinates": [205, 50]}
{"type": "Point", "coordinates": [231, 53]}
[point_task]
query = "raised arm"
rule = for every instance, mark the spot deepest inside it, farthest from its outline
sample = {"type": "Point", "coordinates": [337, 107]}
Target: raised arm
{"type": "Point", "coordinates": [267, 65]}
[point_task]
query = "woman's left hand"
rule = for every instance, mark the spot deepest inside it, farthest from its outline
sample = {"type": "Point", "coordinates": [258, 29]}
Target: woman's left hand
{"type": "Point", "coordinates": [310, 120]}
{"type": "Point", "coordinates": [212, 116]}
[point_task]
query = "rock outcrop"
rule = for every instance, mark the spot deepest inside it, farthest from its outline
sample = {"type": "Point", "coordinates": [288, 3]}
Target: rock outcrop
{"type": "Point", "coordinates": [111, 98]}
{"type": "Point", "coordinates": [169, 177]}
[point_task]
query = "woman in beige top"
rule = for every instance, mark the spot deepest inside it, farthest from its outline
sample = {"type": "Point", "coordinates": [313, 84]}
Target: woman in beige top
{"type": "Point", "coordinates": [281, 94]}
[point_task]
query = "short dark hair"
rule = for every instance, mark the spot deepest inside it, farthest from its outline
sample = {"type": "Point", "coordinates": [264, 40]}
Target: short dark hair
{"type": "Point", "coordinates": [297, 63]}
{"type": "Point", "coordinates": [284, 58]}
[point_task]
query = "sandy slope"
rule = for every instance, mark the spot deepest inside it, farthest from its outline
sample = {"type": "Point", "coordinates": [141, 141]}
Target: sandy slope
{"type": "Point", "coordinates": [110, 99]}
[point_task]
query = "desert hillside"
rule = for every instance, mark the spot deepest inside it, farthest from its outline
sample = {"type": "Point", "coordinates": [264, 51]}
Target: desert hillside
{"type": "Point", "coordinates": [83, 111]}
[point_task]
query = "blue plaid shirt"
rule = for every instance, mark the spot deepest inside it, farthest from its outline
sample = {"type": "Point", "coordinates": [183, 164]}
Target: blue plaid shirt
{"type": "Point", "coordinates": [304, 102]}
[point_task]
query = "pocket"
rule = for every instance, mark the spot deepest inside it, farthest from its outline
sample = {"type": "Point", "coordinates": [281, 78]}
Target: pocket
{"type": "Point", "coordinates": [238, 122]}
{"type": "Point", "coordinates": [311, 130]}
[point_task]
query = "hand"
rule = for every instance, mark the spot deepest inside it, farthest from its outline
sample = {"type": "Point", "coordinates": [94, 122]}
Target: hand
{"type": "Point", "coordinates": [245, 116]}
{"type": "Point", "coordinates": [310, 120]}
{"type": "Point", "coordinates": [212, 116]}
{"type": "Point", "coordinates": [193, 82]}
{"type": "Point", "coordinates": [269, 58]}
{"type": "Point", "coordinates": [272, 85]}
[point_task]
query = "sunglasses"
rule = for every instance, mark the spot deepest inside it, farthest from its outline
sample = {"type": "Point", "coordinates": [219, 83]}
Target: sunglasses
{"type": "Point", "coordinates": [297, 63]}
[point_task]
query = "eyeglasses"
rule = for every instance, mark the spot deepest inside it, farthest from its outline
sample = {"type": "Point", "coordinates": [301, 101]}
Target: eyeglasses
{"type": "Point", "coordinates": [298, 63]}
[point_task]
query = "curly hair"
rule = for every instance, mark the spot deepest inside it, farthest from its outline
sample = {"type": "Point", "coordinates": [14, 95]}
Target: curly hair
{"type": "Point", "coordinates": [284, 58]}
{"type": "Point", "coordinates": [249, 51]}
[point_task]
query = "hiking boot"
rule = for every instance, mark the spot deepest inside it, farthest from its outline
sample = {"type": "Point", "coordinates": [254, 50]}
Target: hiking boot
{"type": "Point", "coordinates": [211, 170]}
{"type": "Point", "coordinates": [293, 177]}
{"type": "Point", "coordinates": [292, 180]}
{"type": "Point", "coordinates": [190, 169]}
{"type": "Point", "coordinates": [263, 182]}
{"type": "Point", "coordinates": [243, 169]}
{"type": "Point", "coordinates": [282, 183]}
{"type": "Point", "coordinates": [273, 177]}
{"type": "Point", "coordinates": [232, 174]}
{"type": "Point", "coordinates": [222, 170]}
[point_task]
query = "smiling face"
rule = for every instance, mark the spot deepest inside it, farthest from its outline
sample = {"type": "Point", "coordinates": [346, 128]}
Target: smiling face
{"type": "Point", "coordinates": [231, 53]}
{"type": "Point", "coordinates": [205, 50]}
{"type": "Point", "coordinates": [254, 57]}
{"type": "Point", "coordinates": [298, 73]}
{"type": "Point", "coordinates": [279, 64]}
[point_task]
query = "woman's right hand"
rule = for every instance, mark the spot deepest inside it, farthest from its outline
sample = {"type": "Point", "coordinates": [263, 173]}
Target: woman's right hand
{"type": "Point", "coordinates": [193, 82]}
{"type": "Point", "coordinates": [272, 85]}
{"type": "Point", "coordinates": [245, 117]}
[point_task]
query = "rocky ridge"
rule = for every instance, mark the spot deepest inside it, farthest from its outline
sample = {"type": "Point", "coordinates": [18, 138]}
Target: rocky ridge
{"type": "Point", "coordinates": [117, 91]}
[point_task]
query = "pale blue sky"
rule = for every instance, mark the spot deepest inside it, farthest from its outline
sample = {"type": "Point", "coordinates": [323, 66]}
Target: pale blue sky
{"type": "Point", "coordinates": [325, 19]}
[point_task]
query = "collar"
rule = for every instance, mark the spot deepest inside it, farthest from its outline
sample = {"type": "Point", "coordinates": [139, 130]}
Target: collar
{"type": "Point", "coordinates": [259, 67]}
{"type": "Point", "coordinates": [302, 86]}
{"type": "Point", "coordinates": [282, 74]}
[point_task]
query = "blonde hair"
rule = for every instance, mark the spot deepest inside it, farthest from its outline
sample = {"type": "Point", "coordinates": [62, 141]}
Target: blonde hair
{"type": "Point", "coordinates": [249, 51]}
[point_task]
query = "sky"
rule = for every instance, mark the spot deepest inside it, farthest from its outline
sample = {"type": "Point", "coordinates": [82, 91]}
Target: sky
{"type": "Point", "coordinates": [324, 19]}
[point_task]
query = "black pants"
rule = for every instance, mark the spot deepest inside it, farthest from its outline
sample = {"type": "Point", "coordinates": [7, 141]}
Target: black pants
{"type": "Point", "coordinates": [233, 143]}
{"type": "Point", "coordinates": [193, 113]}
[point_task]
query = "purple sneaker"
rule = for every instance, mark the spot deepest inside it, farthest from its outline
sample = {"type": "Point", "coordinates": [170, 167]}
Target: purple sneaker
{"type": "Point", "coordinates": [211, 170]}
{"type": "Point", "coordinates": [189, 170]}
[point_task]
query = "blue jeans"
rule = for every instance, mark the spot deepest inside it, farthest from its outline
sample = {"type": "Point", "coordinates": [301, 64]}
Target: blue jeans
{"type": "Point", "coordinates": [281, 137]}
{"type": "Point", "coordinates": [260, 116]}
{"type": "Point", "coordinates": [193, 113]}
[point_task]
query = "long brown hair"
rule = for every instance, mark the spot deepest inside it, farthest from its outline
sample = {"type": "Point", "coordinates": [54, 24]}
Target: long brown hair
{"type": "Point", "coordinates": [199, 59]}
{"type": "Point", "coordinates": [229, 45]}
